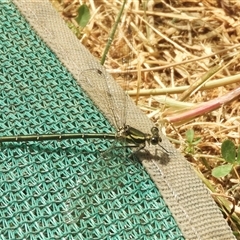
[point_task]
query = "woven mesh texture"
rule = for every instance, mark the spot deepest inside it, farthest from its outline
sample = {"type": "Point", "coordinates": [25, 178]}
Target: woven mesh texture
{"type": "Point", "coordinates": [64, 189]}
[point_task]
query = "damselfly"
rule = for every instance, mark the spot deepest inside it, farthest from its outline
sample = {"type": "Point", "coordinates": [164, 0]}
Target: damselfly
{"type": "Point", "coordinates": [132, 136]}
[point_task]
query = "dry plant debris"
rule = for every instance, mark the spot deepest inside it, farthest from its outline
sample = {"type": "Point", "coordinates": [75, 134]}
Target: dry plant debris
{"type": "Point", "coordinates": [178, 57]}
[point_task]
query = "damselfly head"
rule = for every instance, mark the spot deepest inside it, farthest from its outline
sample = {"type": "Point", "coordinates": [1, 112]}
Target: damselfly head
{"type": "Point", "coordinates": [155, 138]}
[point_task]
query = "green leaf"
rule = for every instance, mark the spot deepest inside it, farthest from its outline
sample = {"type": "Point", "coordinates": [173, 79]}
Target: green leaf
{"type": "Point", "coordinates": [222, 171]}
{"type": "Point", "coordinates": [190, 135]}
{"type": "Point", "coordinates": [228, 151]}
{"type": "Point", "coordinates": [238, 155]}
{"type": "Point", "coordinates": [196, 141]}
{"type": "Point", "coordinates": [83, 15]}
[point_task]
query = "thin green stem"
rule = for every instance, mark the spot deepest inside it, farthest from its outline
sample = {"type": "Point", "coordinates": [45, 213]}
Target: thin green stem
{"type": "Point", "coordinates": [110, 39]}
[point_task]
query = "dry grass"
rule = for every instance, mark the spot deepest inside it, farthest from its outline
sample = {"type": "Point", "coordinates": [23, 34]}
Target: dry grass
{"type": "Point", "coordinates": [175, 57]}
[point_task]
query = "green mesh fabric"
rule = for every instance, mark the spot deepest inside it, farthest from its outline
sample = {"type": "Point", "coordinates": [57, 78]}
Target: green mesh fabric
{"type": "Point", "coordinates": [71, 189]}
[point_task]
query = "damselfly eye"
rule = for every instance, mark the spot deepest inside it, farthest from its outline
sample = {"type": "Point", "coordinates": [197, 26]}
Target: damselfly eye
{"type": "Point", "coordinates": [154, 130]}
{"type": "Point", "coordinates": [154, 140]}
